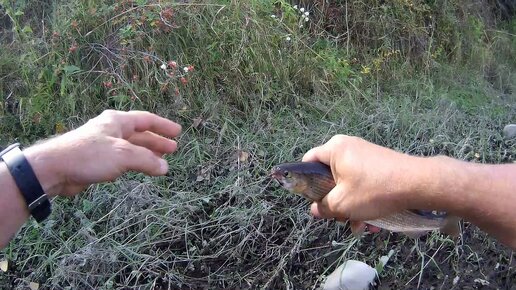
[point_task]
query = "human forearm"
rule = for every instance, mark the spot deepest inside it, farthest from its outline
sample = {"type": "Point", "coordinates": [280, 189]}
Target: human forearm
{"type": "Point", "coordinates": [482, 194]}
{"type": "Point", "coordinates": [13, 208]}
{"type": "Point", "coordinates": [374, 181]}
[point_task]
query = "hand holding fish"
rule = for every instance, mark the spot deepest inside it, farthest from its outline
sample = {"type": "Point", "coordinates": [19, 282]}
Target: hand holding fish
{"type": "Point", "coordinates": [368, 182]}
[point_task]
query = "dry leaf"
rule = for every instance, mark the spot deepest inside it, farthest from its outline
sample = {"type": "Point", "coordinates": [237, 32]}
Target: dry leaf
{"type": "Point", "coordinates": [203, 174]}
{"type": "Point", "coordinates": [197, 122]}
{"type": "Point", "coordinates": [184, 109]}
{"type": "Point", "coordinates": [243, 156]}
{"type": "Point", "coordinates": [34, 286]}
{"type": "Point", "coordinates": [60, 128]}
{"type": "Point", "coordinates": [4, 265]}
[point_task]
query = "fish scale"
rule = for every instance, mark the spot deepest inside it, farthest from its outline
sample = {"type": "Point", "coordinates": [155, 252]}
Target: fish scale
{"type": "Point", "coordinates": [407, 222]}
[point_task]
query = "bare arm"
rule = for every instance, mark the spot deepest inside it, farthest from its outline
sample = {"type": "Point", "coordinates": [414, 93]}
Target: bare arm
{"type": "Point", "coordinates": [373, 181]}
{"type": "Point", "coordinates": [483, 194]}
{"type": "Point", "coordinates": [101, 150]}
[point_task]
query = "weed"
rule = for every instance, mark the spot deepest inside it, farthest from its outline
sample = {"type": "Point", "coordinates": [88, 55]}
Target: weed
{"type": "Point", "coordinates": [422, 78]}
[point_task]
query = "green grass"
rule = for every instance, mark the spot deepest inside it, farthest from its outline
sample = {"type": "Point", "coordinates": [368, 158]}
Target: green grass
{"type": "Point", "coordinates": [216, 221]}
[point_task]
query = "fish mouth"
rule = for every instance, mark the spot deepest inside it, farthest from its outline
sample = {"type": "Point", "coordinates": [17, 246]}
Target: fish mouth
{"type": "Point", "coordinates": [277, 175]}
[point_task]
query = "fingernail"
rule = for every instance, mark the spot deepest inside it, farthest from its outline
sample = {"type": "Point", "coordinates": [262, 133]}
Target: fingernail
{"type": "Point", "coordinates": [163, 166]}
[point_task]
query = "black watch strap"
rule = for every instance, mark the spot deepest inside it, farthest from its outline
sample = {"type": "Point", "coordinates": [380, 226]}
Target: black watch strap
{"type": "Point", "coordinates": [27, 182]}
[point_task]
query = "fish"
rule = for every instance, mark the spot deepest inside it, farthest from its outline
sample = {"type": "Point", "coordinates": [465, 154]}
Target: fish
{"type": "Point", "coordinates": [314, 180]}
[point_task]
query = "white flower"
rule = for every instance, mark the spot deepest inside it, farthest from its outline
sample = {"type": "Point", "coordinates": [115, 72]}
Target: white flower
{"type": "Point", "coordinates": [306, 19]}
{"type": "Point", "coordinates": [273, 16]}
{"type": "Point", "coordinates": [307, 13]}
{"type": "Point", "coordinates": [302, 9]}
{"type": "Point", "coordinates": [185, 69]}
{"type": "Point", "coordinates": [288, 38]}
{"type": "Point", "coordinates": [295, 7]}
{"type": "Point", "coordinates": [163, 67]}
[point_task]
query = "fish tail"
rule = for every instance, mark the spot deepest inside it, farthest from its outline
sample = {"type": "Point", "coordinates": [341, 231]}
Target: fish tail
{"type": "Point", "coordinates": [450, 227]}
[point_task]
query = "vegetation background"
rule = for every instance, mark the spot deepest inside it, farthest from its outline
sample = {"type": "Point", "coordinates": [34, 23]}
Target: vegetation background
{"type": "Point", "coordinates": [262, 85]}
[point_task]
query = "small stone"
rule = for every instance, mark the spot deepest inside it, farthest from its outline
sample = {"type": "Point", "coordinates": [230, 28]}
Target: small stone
{"type": "Point", "coordinates": [509, 131]}
{"type": "Point", "coordinates": [353, 275]}
{"type": "Point", "coordinates": [482, 282]}
{"type": "Point", "coordinates": [456, 280]}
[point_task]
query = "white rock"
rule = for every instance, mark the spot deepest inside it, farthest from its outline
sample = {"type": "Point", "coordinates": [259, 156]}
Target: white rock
{"type": "Point", "coordinates": [351, 275]}
{"type": "Point", "coordinates": [385, 259]}
{"type": "Point", "coordinates": [509, 131]}
{"type": "Point", "coordinates": [482, 281]}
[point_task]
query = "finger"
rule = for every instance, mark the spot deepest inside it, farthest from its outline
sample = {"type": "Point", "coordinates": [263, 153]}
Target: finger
{"type": "Point", "coordinates": [320, 153]}
{"type": "Point", "coordinates": [326, 208]}
{"type": "Point", "coordinates": [154, 142]}
{"type": "Point", "coordinates": [141, 159]}
{"type": "Point", "coordinates": [320, 210]}
{"type": "Point", "coordinates": [141, 121]}
{"type": "Point", "coordinates": [357, 228]}
{"type": "Point", "coordinates": [146, 121]}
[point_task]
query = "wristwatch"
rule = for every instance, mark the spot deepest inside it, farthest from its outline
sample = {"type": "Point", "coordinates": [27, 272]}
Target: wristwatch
{"type": "Point", "coordinates": [27, 182]}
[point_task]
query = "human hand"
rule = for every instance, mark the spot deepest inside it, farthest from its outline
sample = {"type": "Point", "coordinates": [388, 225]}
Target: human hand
{"type": "Point", "coordinates": [103, 149]}
{"type": "Point", "coordinates": [371, 181]}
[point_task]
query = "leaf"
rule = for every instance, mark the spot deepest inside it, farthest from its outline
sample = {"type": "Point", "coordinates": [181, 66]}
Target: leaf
{"type": "Point", "coordinates": [86, 205]}
{"type": "Point", "coordinates": [70, 69]}
{"type": "Point", "coordinates": [33, 286]}
{"type": "Point", "coordinates": [60, 128]}
{"type": "Point", "coordinates": [4, 265]}
{"type": "Point", "coordinates": [383, 261]}
{"type": "Point", "coordinates": [243, 156]}
{"type": "Point", "coordinates": [27, 29]}
{"type": "Point", "coordinates": [203, 174]}
{"type": "Point", "coordinates": [120, 98]}
{"type": "Point", "coordinates": [197, 122]}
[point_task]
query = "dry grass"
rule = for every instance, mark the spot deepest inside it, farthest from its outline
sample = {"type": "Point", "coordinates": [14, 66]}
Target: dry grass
{"type": "Point", "coordinates": [254, 99]}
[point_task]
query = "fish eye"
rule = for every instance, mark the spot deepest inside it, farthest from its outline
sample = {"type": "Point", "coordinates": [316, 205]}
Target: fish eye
{"type": "Point", "coordinates": [286, 173]}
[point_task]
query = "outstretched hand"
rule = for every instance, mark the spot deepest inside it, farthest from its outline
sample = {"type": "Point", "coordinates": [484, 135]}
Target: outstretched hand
{"type": "Point", "coordinates": [103, 149]}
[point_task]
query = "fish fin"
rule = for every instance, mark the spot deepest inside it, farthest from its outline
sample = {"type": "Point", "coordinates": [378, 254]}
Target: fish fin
{"type": "Point", "coordinates": [415, 235]}
{"type": "Point", "coordinates": [357, 228]}
{"type": "Point", "coordinates": [451, 226]}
